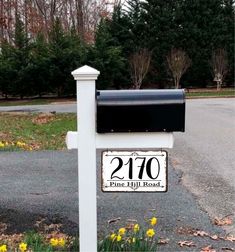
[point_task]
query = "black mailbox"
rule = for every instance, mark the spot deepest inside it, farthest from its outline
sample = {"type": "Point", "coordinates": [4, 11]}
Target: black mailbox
{"type": "Point", "coordinates": [140, 111]}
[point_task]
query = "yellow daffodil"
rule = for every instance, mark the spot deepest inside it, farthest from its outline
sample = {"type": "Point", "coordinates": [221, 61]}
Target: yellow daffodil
{"type": "Point", "coordinates": [136, 228]}
{"type": "Point", "coordinates": [54, 242]}
{"type": "Point", "coordinates": [20, 144]}
{"type": "Point", "coordinates": [61, 242]}
{"type": "Point", "coordinates": [22, 247]}
{"type": "Point", "coordinates": [153, 221]}
{"type": "Point", "coordinates": [2, 145]}
{"type": "Point", "coordinates": [113, 237]}
{"type": "Point", "coordinates": [150, 232]}
{"type": "Point", "coordinates": [119, 238]}
{"type": "Point", "coordinates": [3, 248]}
{"type": "Point", "coordinates": [122, 231]}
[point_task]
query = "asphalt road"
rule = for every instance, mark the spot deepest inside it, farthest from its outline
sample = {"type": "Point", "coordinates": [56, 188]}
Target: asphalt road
{"type": "Point", "coordinates": [205, 155]}
{"type": "Point", "coordinates": [59, 108]}
{"type": "Point", "coordinates": [201, 182]}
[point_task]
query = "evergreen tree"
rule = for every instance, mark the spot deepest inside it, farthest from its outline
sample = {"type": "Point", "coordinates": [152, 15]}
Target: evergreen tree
{"type": "Point", "coordinates": [161, 32]}
{"type": "Point", "coordinates": [8, 72]}
{"type": "Point", "coordinates": [135, 25]}
{"type": "Point", "coordinates": [196, 26]}
{"type": "Point", "coordinates": [126, 31]}
{"type": "Point", "coordinates": [38, 67]}
{"type": "Point", "coordinates": [228, 36]}
{"type": "Point", "coordinates": [20, 53]}
{"type": "Point", "coordinates": [65, 55]}
{"type": "Point", "coordinates": [107, 57]}
{"type": "Point", "coordinates": [202, 32]}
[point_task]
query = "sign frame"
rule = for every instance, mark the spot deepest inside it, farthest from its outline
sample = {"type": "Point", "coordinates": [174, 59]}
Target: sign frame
{"type": "Point", "coordinates": [135, 150]}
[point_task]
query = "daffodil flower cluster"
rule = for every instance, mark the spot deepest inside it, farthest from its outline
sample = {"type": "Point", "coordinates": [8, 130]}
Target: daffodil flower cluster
{"type": "Point", "coordinates": [57, 242]}
{"type": "Point", "coordinates": [3, 248]}
{"type": "Point", "coordinates": [18, 144]}
{"type": "Point", "coordinates": [118, 237]}
{"type": "Point", "coordinates": [132, 238]}
{"type": "Point", "coordinates": [22, 247]}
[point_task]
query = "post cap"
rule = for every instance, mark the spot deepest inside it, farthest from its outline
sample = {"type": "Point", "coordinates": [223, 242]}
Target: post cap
{"type": "Point", "coordinates": [85, 73]}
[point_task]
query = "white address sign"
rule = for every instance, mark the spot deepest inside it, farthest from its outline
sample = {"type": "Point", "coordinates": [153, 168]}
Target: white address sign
{"type": "Point", "coordinates": [134, 171]}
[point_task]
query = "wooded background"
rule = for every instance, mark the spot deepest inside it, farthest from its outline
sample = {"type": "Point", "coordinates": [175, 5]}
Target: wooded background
{"type": "Point", "coordinates": [42, 41]}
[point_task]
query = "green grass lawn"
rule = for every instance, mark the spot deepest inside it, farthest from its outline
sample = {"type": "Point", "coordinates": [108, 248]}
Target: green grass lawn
{"type": "Point", "coordinates": [43, 101]}
{"type": "Point", "coordinates": [221, 93]}
{"type": "Point", "coordinates": [36, 131]}
{"type": "Point", "coordinates": [25, 102]}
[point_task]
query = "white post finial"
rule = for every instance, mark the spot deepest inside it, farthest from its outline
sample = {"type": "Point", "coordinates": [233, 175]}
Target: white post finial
{"type": "Point", "coordinates": [86, 111]}
{"type": "Point", "coordinates": [85, 73]}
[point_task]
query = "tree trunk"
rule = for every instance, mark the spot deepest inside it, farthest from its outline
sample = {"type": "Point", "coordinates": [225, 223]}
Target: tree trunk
{"type": "Point", "coordinates": [176, 83]}
{"type": "Point", "coordinates": [80, 20]}
{"type": "Point", "coordinates": [26, 16]}
{"type": "Point", "coordinates": [219, 83]}
{"type": "Point", "coordinates": [1, 20]}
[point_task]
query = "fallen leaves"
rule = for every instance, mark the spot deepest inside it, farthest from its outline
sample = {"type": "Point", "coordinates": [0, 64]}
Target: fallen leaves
{"type": "Point", "coordinates": [214, 237]}
{"type": "Point", "coordinates": [4, 135]}
{"type": "Point", "coordinates": [227, 249]}
{"type": "Point", "coordinates": [200, 233]}
{"type": "Point", "coordinates": [11, 239]}
{"type": "Point", "coordinates": [163, 241]}
{"type": "Point", "coordinates": [114, 220]}
{"type": "Point", "coordinates": [186, 243]}
{"type": "Point", "coordinates": [35, 146]}
{"type": "Point", "coordinates": [43, 118]}
{"type": "Point", "coordinates": [223, 222]}
{"type": "Point", "coordinates": [208, 249]}
{"type": "Point", "coordinates": [186, 230]}
{"type": "Point", "coordinates": [230, 238]}
{"type": "Point", "coordinates": [3, 227]}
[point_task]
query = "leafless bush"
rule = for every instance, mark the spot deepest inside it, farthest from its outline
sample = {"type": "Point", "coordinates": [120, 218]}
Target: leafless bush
{"type": "Point", "coordinates": [139, 63]}
{"type": "Point", "coordinates": [219, 65]}
{"type": "Point", "coordinates": [178, 63]}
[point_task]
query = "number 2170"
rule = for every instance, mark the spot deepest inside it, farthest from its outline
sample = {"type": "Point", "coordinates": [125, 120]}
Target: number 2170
{"type": "Point", "coordinates": [148, 166]}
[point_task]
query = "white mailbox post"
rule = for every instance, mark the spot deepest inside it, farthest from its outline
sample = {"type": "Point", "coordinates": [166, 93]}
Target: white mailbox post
{"type": "Point", "coordinates": [85, 77]}
{"type": "Point", "coordinates": [86, 140]}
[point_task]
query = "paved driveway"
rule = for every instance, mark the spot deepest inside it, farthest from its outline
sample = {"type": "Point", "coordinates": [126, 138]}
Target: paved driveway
{"type": "Point", "coordinates": [45, 183]}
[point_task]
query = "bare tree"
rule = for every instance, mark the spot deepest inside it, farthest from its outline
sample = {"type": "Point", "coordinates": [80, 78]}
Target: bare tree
{"type": "Point", "coordinates": [139, 63]}
{"type": "Point", "coordinates": [178, 63]}
{"type": "Point", "coordinates": [219, 65]}
{"type": "Point", "coordinates": [38, 16]}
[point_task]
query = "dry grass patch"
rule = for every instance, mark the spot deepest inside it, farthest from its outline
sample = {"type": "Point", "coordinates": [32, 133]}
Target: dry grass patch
{"type": "Point", "coordinates": [35, 131]}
